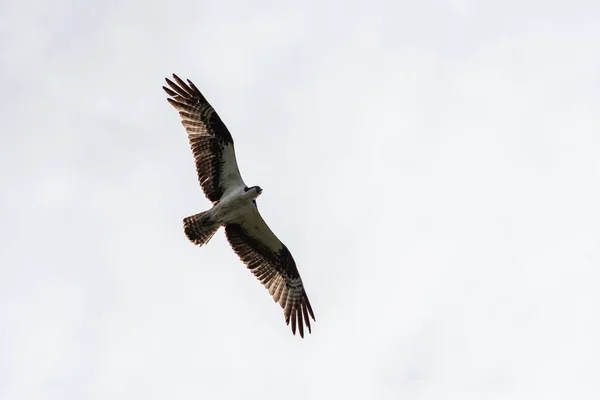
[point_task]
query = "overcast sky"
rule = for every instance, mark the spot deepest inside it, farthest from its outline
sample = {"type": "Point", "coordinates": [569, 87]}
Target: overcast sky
{"type": "Point", "coordinates": [432, 166]}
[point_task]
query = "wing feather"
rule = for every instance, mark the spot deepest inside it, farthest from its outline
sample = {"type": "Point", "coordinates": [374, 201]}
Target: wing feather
{"type": "Point", "coordinates": [273, 265]}
{"type": "Point", "coordinates": [210, 140]}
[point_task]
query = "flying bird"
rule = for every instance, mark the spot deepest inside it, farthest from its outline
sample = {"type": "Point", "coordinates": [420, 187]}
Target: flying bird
{"type": "Point", "coordinates": [234, 205]}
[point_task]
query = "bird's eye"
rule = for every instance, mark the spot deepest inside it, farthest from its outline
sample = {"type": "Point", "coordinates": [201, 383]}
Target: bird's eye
{"type": "Point", "coordinates": [246, 189]}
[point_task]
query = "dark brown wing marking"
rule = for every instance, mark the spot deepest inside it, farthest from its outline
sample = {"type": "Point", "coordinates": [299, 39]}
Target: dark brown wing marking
{"type": "Point", "coordinates": [277, 271]}
{"type": "Point", "coordinates": [209, 138]}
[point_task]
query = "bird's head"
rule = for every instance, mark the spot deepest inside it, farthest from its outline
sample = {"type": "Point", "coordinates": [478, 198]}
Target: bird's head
{"type": "Point", "coordinates": [256, 190]}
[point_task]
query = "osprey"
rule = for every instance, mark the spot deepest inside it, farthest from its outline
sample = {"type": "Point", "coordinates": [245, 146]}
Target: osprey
{"type": "Point", "coordinates": [234, 205]}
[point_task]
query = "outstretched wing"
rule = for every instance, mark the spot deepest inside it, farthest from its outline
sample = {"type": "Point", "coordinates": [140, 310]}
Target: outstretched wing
{"type": "Point", "coordinates": [209, 138]}
{"type": "Point", "coordinates": [271, 262]}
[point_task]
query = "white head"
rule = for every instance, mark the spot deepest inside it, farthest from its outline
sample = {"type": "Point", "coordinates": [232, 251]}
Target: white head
{"type": "Point", "coordinates": [254, 190]}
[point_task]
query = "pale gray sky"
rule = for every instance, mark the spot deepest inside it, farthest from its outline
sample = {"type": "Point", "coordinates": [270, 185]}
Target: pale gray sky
{"type": "Point", "coordinates": [433, 168]}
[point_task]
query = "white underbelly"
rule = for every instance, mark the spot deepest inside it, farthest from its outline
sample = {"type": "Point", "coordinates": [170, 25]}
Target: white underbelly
{"type": "Point", "coordinates": [231, 209]}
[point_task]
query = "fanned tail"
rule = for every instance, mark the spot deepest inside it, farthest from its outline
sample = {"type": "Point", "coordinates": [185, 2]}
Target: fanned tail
{"type": "Point", "coordinates": [199, 229]}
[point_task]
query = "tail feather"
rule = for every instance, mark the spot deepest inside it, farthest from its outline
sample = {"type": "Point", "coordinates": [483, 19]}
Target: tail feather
{"type": "Point", "coordinates": [199, 229]}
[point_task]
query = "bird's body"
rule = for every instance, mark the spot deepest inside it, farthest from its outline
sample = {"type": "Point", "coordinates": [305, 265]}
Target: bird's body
{"type": "Point", "coordinates": [234, 206]}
